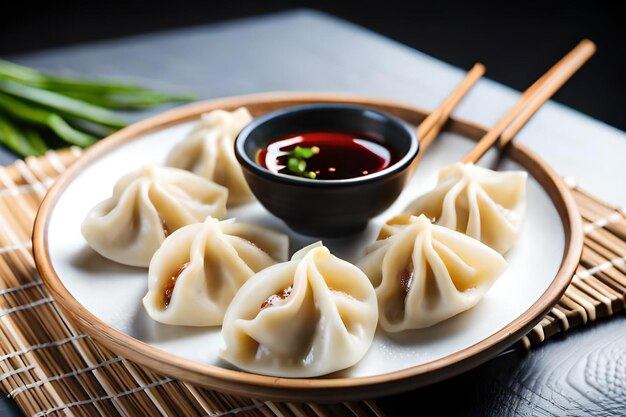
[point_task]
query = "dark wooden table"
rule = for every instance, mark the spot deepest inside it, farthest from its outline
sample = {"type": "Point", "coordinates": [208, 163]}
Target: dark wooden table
{"type": "Point", "coordinates": [580, 374]}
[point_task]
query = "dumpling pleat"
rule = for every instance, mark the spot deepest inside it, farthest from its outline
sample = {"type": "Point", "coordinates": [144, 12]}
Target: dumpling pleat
{"type": "Point", "coordinates": [288, 328]}
{"type": "Point", "coordinates": [497, 231]}
{"type": "Point", "coordinates": [272, 244]}
{"type": "Point", "coordinates": [473, 226]}
{"type": "Point", "coordinates": [333, 335]}
{"type": "Point", "coordinates": [429, 273]}
{"type": "Point", "coordinates": [484, 204]}
{"type": "Point", "coordinates": [209, 152]}
{"type": "Point", "coordinates": [326, 323]}
{"type": "Point", "coordinates": [249, 253]}
{"type": "Point", "coordinates": [146, 206]}
{"type": "Point", "coordinates": [218, 265]}
{"type": "Point", "coordinates": [128, 230]}
{"type": "Point", "coordinates": [448, 215]}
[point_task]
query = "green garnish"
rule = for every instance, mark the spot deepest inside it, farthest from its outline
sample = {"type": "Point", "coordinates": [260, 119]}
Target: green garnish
{"type": "Point", "coordinates": [296, 165]}
{"type": "Point", "coordinates": [303, 153]}
{"type": "Point", "coordinates": [296, 162]}
{"type": "Point", "coordinates": [37, 109]}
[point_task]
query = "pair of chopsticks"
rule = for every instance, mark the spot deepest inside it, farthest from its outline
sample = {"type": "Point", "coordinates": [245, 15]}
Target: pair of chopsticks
{"type": "Point", "coordinates": [512, 122]}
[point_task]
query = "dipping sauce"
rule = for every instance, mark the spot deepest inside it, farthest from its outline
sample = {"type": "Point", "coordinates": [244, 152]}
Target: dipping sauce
{"type": "Point", "coordinates": [327, 155]}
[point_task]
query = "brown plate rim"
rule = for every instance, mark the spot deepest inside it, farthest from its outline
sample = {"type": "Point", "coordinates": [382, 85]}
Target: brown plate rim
{"type": "Point", "coordinates": [303, 389]}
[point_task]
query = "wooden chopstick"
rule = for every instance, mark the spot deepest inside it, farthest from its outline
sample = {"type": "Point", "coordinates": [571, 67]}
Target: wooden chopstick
{"type": "Point", "coordinates": [429, 129]}
{"type": "Point", "coordinates": [535, 102]}
{"type": "Point", "coordinates": [534, 97]}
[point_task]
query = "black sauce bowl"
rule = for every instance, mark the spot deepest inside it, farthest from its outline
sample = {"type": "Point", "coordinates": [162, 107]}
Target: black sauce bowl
{"type": "Point", "coordinates": [328, 208]}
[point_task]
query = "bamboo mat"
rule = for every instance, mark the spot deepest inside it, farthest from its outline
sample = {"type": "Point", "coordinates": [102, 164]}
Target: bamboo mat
{"type": "Point", "coordinates": [50, 368]}
{"type": "Point", "coordinates": [598, 289]}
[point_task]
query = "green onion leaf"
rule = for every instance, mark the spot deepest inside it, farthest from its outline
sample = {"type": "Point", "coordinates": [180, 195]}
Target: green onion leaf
{"type": "Point", "coordinates": [35, 78]}
{"type": "Point", "coordinates": [303, 153]}
{"type": "Point", "coordinates": [42, 117]}
{"type": "Point", "coordinates": [127, 101]}
{"type": "Point", "coordinates": [66, 105]}
{"type": "Point", "coordinates": [292, 164]}
{"type": "Point", "coordinates": [13, 138]}
{"type": "Point", "coordinates": [296, 165]}
{"type": "Point", "coordinates": [36, 141]}
{"type": "Point", "coordinates": [63, 85]}
{"type": "Point", "coordinates": [71, 109]}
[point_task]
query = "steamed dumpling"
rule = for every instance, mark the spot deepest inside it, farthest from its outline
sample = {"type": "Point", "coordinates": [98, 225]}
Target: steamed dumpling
{"type": "Point", "coordinates": [311, 316]}
{"type": "Point", "coordinates": [484, 204]}
{"type": "Point", "coordinates": [209, 152]}
{"type": "Point", "coordinates": [146, 206]}
{"type": "Point", "coordinates": [199, 268]}
{"type": "Point", "coordinates": [424, 273]}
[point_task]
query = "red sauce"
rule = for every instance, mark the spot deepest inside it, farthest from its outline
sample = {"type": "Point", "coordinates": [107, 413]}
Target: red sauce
{"type": "Point", "coordinates": [168, 288]}
{"type": "Point", "coordinates": [340, 156]}
{"type": "Point", "coordinates": [279, 295]}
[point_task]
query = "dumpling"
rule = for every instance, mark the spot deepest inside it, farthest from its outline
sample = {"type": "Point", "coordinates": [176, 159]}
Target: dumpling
{"type": "Point", "coordinates": [146, 206]}
{"type": "Point", "coordinates": [199, 268]}
{"type": "Point", "coordinates": [484, 204]}
{"type": "Point", "coordinates": [311, 316]}
{"type": "Point", "coordinates": [209, 152]}
{"type": "Point", "coordinates": [424, 273]}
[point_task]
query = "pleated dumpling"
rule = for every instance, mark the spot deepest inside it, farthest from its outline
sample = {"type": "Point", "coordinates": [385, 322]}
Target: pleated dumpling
{"type": "Point", "coordinates": [424, 273]}
{"type": "Point", "coordinates": [484, 204]}
{"type": "Point", "coordinates": [311, 316]}
{"type": "Point", "coordinates": [145, 207]}
{"type": "Point", "coordinates": [199, 268]}
{"type": "Point", "coordinates": [209, 152]}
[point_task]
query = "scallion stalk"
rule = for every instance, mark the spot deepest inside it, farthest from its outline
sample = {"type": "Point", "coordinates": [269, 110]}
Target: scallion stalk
{"type": "Point", "coordinates": [16, 140]}
{"type": "Point", "coordinates": [42, 117]}
{"type": "Point", "coordinates": [37, 108]}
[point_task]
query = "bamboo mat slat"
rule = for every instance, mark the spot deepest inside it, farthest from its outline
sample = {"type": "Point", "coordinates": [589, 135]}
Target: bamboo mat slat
{"type": "Point", "coordinates": [598, 289]}
{"type": "Point", "coordinates": [50, 368]}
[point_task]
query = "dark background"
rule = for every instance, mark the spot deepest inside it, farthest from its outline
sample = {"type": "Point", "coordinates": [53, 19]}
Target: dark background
{"type": "Point", "coordinates": [517, 41]}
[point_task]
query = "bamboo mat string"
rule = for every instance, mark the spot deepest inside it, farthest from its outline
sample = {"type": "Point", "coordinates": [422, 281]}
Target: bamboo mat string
{"type": "Point", "coordinates": [51, 368]}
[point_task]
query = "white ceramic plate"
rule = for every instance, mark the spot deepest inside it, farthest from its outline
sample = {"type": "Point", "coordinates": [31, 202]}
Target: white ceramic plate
{"type": "Point", "coordinates": [111, 293]}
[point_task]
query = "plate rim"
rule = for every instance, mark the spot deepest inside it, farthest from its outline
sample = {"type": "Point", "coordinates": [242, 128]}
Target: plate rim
{"type": "Point", "coordinates": [303, 389]}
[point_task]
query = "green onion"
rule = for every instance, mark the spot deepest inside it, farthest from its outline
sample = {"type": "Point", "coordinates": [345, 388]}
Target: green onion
{"type": "Point", "coordinates": [296, 161]}
{"type": "Point", "coordinates": [13, 138]}
{"type": "Point", "coordinates": [35, 78]}
{"type": "Point", "coordinates": [128, 101]}
{"type": "Point", "coordinates": [42, 117]}
{"type": "Point", "coordinates": [40, 110]}
{"type": "Point", "coordinates": [36, 141]}
{"type": "Point", "coordinates": [66, 105]}
{"type": "Point", "coordinates": [302, 153]}
{"type": "Point", "coordinates": [86, 126]}
{"type": "Point", "coordinates": [296, 165]}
